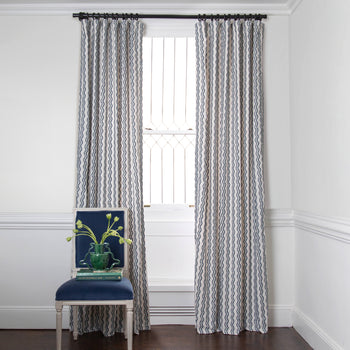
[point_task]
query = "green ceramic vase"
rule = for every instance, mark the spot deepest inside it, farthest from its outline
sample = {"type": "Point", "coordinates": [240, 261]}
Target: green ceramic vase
{"type": "Point", "coordinates": [99, 257]}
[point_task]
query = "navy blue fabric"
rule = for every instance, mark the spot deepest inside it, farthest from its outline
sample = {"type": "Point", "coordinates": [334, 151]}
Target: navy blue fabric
{"type": "Point", "coordinates": [95, 290]}
{"type": "Point", "coordinates": [97, 221]}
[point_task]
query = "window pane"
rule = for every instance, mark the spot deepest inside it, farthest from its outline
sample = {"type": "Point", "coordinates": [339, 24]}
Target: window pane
{"type": "Point", "coordinates": [147, 88]}
{"type": "Point", "coordinates": [157, 83]}
{"type": "Point", "coordinates": [169, 78]}
{"type": "Point", "coordinates": [169, 107]}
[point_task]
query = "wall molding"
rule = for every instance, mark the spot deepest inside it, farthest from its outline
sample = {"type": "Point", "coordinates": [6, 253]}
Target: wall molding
{"type": "Point", "coordinates": [312, 333]}
{"type": "Point", "coordinates": [43, 317]}
{"type": "Point", "coordinates": [31, 317]}
{"type": "Point", "coordinates": [59, 9]}
{"type": "Point", "coordinates": [280, 315]}
{"type": "Point", "coordinates": [293, 5]}
{"type": "Point", "coordinates": [36, 221]}
{"type": "Point", "coordinates": [279, 218]}
{"type": "Point", "coordinates": [63, 221]}
{"type": "Point", "coordinates": [329, 227]}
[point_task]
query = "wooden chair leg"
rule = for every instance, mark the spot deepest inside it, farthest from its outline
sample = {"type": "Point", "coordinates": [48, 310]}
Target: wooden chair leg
{"type": "Point", "coordinates": [75, 322]}
{"type": "Point", "coordinates": [59, 307]}
{"type": "Point", "coordinates": [129, 316]}
{"type": "Point", "coordinates": [125, 323]}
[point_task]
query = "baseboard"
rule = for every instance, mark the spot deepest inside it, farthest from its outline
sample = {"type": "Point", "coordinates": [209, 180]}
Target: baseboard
{"type": "Point", "coordinates": [31, 317]}
{"type": "Point", "coordinates": [44, 317]}
{"type": "Point", "coordinates": [38, 317]}
{"type": "Point", "coordinates": [280, 315]}
{"type": "Point", "coordinates": [312, 333]}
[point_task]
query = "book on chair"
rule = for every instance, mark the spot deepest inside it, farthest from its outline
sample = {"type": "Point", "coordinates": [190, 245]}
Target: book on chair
{"type": "Point", "coordinates": [115, 274]}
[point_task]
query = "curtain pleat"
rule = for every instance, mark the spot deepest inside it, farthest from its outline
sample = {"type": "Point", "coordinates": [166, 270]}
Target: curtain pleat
{"type": "Point", "coordinates": [109, 154]}
{"type": "Point", "coordinates": [230, 269]}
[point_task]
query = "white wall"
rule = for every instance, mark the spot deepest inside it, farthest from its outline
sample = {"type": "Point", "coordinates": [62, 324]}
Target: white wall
{"type": "Point", "coordinates": [320, 104]}
{"type": "Point", "coordinates": [277, 124]}
{"type": "Point", "coordinates": [38, 96]}
{"type": "Point", "coordinates": [320, 129]}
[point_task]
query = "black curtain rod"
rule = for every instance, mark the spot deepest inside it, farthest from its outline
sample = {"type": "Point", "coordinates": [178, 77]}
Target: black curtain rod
{"type": "Point", "coordinates": [84, 15]}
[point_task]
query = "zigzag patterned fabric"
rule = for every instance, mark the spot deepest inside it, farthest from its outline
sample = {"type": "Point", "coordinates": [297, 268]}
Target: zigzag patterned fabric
{"type": "Point", "coordinates": [109, 159]}
{"type": "Point", "coordinates": [230, 270]}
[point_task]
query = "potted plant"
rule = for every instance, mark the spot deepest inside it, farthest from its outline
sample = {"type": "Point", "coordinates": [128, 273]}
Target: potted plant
{"type": "Point", "coordinates": [99, 251]}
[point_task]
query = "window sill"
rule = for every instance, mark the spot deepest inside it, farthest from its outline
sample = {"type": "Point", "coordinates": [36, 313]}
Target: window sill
{"type": "Point", "coordinates": [169, 213]}
{"type": "Point", "coordinates": [170, 285]}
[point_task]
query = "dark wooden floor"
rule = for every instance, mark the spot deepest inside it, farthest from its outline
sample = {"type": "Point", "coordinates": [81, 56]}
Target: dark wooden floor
{"type": "Point", "coordinates": [165, 337]}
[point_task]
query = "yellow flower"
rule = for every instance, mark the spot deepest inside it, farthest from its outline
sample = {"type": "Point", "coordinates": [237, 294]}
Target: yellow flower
{"type": "Point", "coordinates": [79, 224]}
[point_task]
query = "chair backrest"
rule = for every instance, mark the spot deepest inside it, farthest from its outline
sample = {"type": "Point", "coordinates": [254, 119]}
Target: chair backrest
{"type": "Point", "coordinates": [96, 219]}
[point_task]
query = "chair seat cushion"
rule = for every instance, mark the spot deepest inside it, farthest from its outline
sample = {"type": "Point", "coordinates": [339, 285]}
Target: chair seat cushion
{"type": "Point", "coordinates": [95, 290]}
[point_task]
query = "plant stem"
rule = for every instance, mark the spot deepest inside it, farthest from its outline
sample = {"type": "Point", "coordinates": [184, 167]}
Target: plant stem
{"type": "Point", "coordinates": [104, 237]}
{"type": "Point", "coordinates": [109, 233]}
{"type": "Point", "coordinates": [85, 234]}
{"type": "Point", "coordinates": [91, 233]}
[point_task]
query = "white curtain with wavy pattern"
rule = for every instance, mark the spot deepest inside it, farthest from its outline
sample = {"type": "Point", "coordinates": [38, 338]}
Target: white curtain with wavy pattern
{"type": "Point", "coordinates": [109, 159]}
{"type": "Point", "coordinates": [230, 272]}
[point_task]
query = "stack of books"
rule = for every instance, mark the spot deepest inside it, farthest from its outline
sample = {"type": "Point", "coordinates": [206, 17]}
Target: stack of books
{"type": "Point", "coordinates": [104, 275]}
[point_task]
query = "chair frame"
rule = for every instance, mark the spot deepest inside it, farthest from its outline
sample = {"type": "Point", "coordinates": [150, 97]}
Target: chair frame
{"type": "Point", "coordinates": [128, 304]}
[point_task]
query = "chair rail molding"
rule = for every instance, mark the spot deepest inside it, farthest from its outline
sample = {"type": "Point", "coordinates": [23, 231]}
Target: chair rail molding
{"type": "Point", "coordinates": [279, 218]}
{"type": "Point", "coordinates": [330, 227]}
{"type": "Point", "coordinates": [36, 221]}
{"type": "Point", "coordinates": [64, 221]}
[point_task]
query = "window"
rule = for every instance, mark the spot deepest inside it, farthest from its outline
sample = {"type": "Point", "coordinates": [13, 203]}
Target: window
{"type": "Point", "coordinates": [169, 120]}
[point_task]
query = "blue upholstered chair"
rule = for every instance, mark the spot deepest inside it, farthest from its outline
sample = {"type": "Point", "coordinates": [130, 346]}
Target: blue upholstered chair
{"type": "Point", "coordinates": [97, 292]}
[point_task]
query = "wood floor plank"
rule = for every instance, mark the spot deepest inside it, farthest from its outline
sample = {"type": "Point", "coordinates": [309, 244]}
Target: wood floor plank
{"type": "Point", "coordinates": [162, 337]}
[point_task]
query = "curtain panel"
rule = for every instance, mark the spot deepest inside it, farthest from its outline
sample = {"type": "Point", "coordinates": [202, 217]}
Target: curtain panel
{"type": "Point", "coordinates": [230, 271]}
{"type": "Point", "coordinates": [109, 154]}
